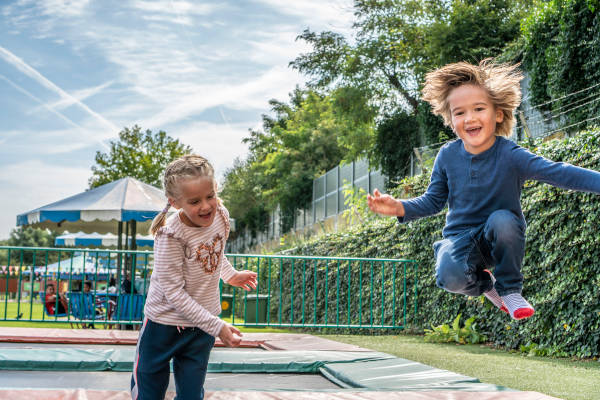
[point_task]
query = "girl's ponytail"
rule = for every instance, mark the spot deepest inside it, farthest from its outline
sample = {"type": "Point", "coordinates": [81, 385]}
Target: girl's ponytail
{"type": "Point", "coordinates": [159, 221]}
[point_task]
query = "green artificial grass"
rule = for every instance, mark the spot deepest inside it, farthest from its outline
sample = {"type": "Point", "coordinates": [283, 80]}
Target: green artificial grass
{"type": "Point", "coordinates": [36, 311]}
{"type": "Point", "coordinates": [563, 378]}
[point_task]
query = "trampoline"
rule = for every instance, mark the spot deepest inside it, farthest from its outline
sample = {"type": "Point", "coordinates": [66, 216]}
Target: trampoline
{"type": "Point", "coordinates": [57, 363]}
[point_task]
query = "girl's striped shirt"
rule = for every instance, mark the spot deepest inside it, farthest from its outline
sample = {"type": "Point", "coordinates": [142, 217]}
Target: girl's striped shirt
{"type": "Point", "coordinates": [188, 263]}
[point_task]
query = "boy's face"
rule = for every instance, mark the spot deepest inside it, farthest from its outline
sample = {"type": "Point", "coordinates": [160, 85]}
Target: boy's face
{"type": "Point", "coordinates": [474, 117]}
{"type": "Point", "coordinates": [198, 200]}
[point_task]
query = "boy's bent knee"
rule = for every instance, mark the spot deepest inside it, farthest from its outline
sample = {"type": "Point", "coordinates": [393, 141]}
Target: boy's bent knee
{"type": "Point", "coordinates": [504, 225]}
{"type": "Point", "coordinates": [451, 277]}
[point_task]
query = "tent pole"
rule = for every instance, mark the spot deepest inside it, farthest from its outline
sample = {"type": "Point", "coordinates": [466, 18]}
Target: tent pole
{"type": "Point", "coordinates": [119, 247]}
{"type": "Point", "coordinates": [119, 255]}
{"type": "Point", "coordinates": [126, 246]}
{"type": "Point", "coordinates": [133, 247]}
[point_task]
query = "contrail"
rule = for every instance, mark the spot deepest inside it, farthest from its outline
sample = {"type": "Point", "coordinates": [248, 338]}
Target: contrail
{"type": "Point", "coordinates": [32, 73]}
{"type": "Point", "coordinates": [60, 115]}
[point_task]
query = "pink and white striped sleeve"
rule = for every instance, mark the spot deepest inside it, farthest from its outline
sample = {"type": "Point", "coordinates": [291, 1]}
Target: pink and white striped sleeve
{"type": "Point", "coordinates": [168, 267]}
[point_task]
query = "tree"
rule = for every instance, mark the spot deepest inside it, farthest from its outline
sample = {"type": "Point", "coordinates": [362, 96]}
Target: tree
{"type": "Point", "coordinates": [137, 154]}
{"type": "Point", "coordinates": [29, 237]}
{"type": "Point", "coordinates": [389, 43]}
{"type": "Point", "coordinates": [562, 58]}
{"type": "Point", "coordinates": [241, 192]}
{"type": "Point", "coordinates": [398, 41]}
{"type": "Point", "coordinates": [397, 135]}
{"type": "Point", "coordinates": [299, 141]}
{"type": "Point", "coordinates": [472, 30]}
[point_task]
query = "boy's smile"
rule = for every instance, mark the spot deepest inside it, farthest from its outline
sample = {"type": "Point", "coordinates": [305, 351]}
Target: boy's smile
{"type": "Point", "coordinates": [198, 201]}
{"type": "Point", "coordinates": [474, 117]}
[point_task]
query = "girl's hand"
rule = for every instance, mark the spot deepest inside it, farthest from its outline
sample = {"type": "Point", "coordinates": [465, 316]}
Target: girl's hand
{"type": "Point", "coordinates": [244, 279]}
{"type": "Point", "coordinates": [385, 204]}
{"type": "Point", "coordinates": [230, 336]}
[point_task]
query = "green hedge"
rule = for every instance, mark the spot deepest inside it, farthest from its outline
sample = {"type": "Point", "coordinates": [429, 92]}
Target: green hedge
{"type": "Point", "coordinates": [561, 265]}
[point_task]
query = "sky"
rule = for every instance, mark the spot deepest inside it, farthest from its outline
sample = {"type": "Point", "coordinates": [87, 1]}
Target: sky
{"type": "Point", "coordinates": [73, 73]}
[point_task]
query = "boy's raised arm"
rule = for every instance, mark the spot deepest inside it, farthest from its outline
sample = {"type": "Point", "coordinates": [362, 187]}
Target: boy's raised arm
{"type": "Point", "coordinates": [385, 204]}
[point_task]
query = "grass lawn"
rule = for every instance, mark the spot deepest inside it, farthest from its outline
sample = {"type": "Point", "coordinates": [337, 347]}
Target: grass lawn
{"type": "Point", "coordinates": [562, 378]}
{"type": "Point", "coordinates": [37, 312]}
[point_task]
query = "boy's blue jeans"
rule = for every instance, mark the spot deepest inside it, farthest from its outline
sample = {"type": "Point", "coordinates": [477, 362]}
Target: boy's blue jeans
{"type": "Point", "coordinates": [499, 243]}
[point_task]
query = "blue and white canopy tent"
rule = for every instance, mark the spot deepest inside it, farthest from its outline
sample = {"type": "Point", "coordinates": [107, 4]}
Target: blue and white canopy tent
{"type": "Point", "coordinates": [81, 239]}
{"type": "Point", "coordinates": [104, 210]}
{"type": "Point", "coordinates": [82, 266]}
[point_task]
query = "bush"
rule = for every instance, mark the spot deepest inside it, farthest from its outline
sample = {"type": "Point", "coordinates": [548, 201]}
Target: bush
{"type": "Point", "coordinates": [445, 333]}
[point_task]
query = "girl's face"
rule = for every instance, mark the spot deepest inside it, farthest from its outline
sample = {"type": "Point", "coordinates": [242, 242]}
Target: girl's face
{"type": "Point", "coordinates": [198, 201]}
{"type": "Point", "coordinates": [474, 117]}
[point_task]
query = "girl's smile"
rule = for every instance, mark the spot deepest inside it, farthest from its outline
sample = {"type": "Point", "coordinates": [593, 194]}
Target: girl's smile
{"type": "Point", "coordinates": [197, 202]}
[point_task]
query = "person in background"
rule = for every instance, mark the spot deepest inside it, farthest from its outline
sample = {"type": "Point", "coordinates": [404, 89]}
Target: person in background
{"type": "Point", "coordinates": [126, 286]}
{"type": "Point", "coordinates": [51, 301]}
{"type": "Point", "coordinates": [112, 285]}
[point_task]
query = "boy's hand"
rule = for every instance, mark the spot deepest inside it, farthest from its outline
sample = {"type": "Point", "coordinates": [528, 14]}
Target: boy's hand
{"type": "Point", "coordinates": [385, 204]}
{"type": "Point", "coordinates": [230, 336]}
{"type": "Point", "coordinates": [244, 279]}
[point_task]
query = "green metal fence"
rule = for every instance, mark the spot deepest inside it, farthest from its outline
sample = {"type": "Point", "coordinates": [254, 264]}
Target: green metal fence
{"type": "Point", "coordinates": [325, 292]}
{"type": "Point", "coordinates": [293, 291]}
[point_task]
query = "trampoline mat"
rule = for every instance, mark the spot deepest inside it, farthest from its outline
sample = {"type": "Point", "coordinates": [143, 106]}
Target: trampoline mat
{"type": "Point", "coordinates": [119, 381]}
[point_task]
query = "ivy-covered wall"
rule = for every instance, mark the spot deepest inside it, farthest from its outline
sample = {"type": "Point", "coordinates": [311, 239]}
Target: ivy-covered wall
{"type": "Point", "coordinates": [561, 265]}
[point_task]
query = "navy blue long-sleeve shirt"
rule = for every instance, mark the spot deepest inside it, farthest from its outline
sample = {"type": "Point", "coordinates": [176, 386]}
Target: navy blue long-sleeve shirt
{"type": "Point", "coordinates": [476, 185]}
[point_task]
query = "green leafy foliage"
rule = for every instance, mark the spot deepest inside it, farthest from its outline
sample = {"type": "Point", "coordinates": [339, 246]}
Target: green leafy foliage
{"type": "Point", "coordinates": [562, 57]}
{"type": "Point", "coordinates": [455, 333]}
{"type": "Point", "coordinates": [397, 135]}
{"type": "Point", "coordinates": [28, 237]}
{"type": "Point", "coordinates": [355, 199]}
{"type": "Point", "coordinates": [137, 154]}
{"type": "Point", "coordinates": [302, 140]}
{"type": "Point", "coordinates": [472, 30]}
{"type": "Point", "coordinates": [561, 267]}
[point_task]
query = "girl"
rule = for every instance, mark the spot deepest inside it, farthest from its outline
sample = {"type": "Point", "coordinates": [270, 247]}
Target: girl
{"type": "Point", "coordinates": [182, 306]}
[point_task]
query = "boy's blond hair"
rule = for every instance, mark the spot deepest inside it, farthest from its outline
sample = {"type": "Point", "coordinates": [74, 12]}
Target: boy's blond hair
{"type": "Point", "coordinates": [500, 81]}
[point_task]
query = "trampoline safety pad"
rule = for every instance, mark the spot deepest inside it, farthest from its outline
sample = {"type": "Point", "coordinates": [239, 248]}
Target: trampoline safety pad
{"type": "Point", "coordinates": [290, 367]}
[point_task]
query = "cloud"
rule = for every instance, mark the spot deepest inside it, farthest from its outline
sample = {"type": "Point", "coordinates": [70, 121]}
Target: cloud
{"type": "Point", "coordinates": [276, 48]}
{"type": "Point", "coordinates": [31, 184]}
{"type": "Point", "coordinates": [39, 78]}
{"type": "Point", "coordinates": [62, 8]}
{"type": "Point", "coordinates": [63, 142]}
{"type": "Point", "coordinates": [175, 7]}
{"type": "Point", "coordinates": [336, 15]}
{"type": "Point", "coordinates": [277, 82]}
{"type": "Point", "coordinates": [219, 143]}
{"type": "Point", "coordinates": [94, 135]}
{"type": "Point", "coordinates": [80, 95]}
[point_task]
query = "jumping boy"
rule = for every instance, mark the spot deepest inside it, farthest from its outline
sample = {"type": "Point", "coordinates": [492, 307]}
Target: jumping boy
{"type": "Point", "coordinates": [480, 176]}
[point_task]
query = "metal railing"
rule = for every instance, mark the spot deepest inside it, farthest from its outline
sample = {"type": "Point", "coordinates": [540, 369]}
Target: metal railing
{"type": "Point", "coordinates": [293, 291]}
{"type": "Point", "coordinates": [325, 292]}
{"type": "Point", "coordinates": [29, 271]}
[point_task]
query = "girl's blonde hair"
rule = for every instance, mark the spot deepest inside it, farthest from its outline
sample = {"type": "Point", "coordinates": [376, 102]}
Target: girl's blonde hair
{"type": "Point", "coordinates": [500, 81]}
{"type": "Point", "coordinates": [187, 167]}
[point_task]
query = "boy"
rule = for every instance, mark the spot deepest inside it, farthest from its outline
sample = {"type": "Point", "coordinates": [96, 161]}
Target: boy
{"type": "Point", "coordinates": [480, 176]}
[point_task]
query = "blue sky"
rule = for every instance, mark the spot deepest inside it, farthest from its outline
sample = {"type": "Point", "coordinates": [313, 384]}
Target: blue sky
{"type": "Point", "coordinates": [74, 73]}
